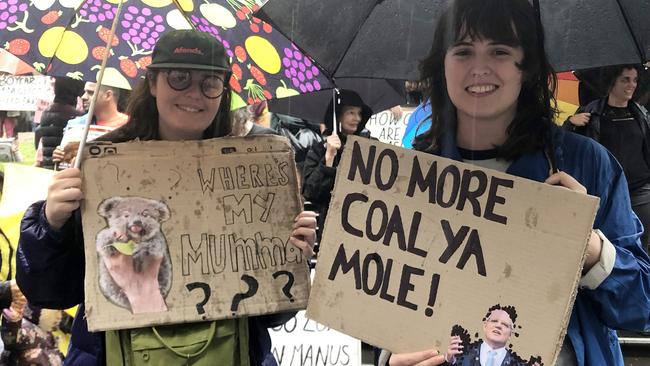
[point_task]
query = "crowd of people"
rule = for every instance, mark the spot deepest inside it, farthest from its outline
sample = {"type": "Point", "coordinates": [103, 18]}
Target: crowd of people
{"type": "Point", "coordinates": [488, 99]}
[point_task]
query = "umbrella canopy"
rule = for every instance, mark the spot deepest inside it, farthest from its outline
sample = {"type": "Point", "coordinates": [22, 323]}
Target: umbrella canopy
{"type": "Point", "coordinates": [386, 39]}
{"type": "Point", "coordinates": [68, 38]}
{"type": "Point", "coordinates": [379, 94]}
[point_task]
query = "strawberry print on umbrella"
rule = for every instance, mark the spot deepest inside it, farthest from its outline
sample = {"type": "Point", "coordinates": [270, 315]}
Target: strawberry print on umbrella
{"type": "Point", "coordinates": [68, 37]}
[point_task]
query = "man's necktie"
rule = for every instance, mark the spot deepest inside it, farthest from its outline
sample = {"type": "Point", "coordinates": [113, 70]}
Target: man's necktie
{"type": "Point", "coordinates": [491, 357]}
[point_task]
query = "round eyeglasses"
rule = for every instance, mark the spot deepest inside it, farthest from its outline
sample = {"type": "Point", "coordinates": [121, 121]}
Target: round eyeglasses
{"type": "Point", "coordinates": [212, 86]}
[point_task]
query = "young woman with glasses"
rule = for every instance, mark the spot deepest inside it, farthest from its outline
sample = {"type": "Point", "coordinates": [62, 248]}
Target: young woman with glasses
{"type": "Point", "coordinates": [183, 97]}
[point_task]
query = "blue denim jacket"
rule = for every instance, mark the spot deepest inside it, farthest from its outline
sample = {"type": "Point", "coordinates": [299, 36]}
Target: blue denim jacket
{"type": "Point", "coordinates": [622, 299]}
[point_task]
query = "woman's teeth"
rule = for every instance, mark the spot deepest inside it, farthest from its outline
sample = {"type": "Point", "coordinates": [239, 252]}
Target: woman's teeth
{"type": "Point", "coordinates": [188, 109]}
{"type": "Point", "coordinates": [479, 89]}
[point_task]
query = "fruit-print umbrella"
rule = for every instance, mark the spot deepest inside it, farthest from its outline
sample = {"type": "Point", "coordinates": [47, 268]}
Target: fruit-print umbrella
{"type": "Point", "coordinates": [68, 38]}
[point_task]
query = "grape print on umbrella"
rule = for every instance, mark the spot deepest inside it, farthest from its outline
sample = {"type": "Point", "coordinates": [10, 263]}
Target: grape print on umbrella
{"type": "Point", "coordinates": [203, 25]}
{"type": "Point", "coordinates": [300, 70]}
{"type": "Point", "coordinates": [94, 11]}
{"type": "Point", "coordinates": [141, 29]}
{"type": "Point", "coordinates": [9, 12]}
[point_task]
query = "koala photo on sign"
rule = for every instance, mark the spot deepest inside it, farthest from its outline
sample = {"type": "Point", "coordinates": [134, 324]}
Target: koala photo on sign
{"type": "Point", "coordinates": [134, 230]}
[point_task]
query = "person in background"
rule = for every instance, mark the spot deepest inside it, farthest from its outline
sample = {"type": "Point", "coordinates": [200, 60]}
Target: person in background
{"type": "Point", "coordinates": [491, 90]}
{"type": "Point", "coordinates": [8, 121]}
{"type": "Point", "coordinates": [319, 168]}
{"type": "Point", "coordinates": [184, 96]}
{"type": "Point", "coordinates": [56, 116]}
{"type": "Point", "coordinates": [12, 303]}
{"type": "Point", "coordinates": [243, 123]}
{"type": "Point", "coordinates": [623, 127]}
{"type": "Point", "coordinates": [29, 339]}
{"type": "Point", "coordinates": [106, 114]}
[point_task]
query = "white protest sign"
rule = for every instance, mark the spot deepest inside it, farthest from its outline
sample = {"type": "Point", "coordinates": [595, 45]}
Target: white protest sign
{"type": "Point", "coordinates": [20, 93]}
{"type": "Point", "coordinates": [384, 127]}
{"type": "Point", "coordinates": [418, 247]}
{"type": "Point", "coordinates": [303, 342]}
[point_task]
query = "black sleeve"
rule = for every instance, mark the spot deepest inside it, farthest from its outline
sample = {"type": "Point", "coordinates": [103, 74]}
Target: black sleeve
{"type": "Point", "coordinates": [318, 179]}
{"type": "Point", "coordinates": [5, 294]}
{"type": "Point", "coordinates": [567, 125]}
{"type": "Point", "coordinates": [50, 264]}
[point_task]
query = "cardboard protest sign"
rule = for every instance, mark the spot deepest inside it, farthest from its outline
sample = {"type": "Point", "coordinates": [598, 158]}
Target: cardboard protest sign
{"type": "Point", "coordinates": [417, 247]}
{"type": "Point", "coordinates": [20, 93]}
{"type": "Point", "coordinates": [203, 227]}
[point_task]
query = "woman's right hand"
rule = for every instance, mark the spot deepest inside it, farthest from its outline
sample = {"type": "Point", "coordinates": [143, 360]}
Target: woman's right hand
{"type": "Point", "coordinates": [63, 197]}
{"type": "Point", "coordinates": [332, 145]}
{"type": "Point", "coordinates": [428, 357]}
{"type": "Point", "coordinates": [580, 119]}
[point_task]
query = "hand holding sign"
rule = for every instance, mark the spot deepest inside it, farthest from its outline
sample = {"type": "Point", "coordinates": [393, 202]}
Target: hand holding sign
{"type": "Point", "coordinates": [595, 245]}
{"type": "Point", "coordinates": [63, 197]}
{"type": "Point", "coordinates": [428, 357]}
{"type": "Point", "coordinates": [304, 233]}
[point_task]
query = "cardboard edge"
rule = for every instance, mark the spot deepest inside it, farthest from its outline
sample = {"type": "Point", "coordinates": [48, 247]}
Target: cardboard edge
{"type": "Point", "coordinates": [281, 142]}
{"type": "Point", "coordinates": [575, 288]}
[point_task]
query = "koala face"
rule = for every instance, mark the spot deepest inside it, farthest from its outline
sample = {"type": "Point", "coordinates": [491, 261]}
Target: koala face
{"type": "Point", "coordinates": [136, 218]}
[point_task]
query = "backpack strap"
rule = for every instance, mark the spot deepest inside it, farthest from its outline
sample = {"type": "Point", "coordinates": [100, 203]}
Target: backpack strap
{"type": "Point", "coordinates": [187, 356]}
{"type": "Point", "coordinates": [244, 351]}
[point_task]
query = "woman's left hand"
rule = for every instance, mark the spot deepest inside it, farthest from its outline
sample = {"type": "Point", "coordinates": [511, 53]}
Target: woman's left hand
{"type": "Point", "coordinates": [565, 180]}
{"type": "Point", "coordinates": [595, 243]}
{"type": "Point", "coordinates": [303, 235]}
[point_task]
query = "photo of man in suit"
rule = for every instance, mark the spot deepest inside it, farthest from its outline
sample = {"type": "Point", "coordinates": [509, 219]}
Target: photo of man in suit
{"type": "Point", "coordinates": [491, 350]}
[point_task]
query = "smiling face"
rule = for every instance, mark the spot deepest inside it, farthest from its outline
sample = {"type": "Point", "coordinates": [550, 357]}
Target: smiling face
{"type": "Point", "coordinates": [184, 114]}
{"type": "Point", "coordinates": [483, 80]}
{"type": "Point", "coordinates": [497, 329]}
{"type": "Point", "coordinates": [624, 87]}
{"type": "Point", "coordinates": [350, 119]}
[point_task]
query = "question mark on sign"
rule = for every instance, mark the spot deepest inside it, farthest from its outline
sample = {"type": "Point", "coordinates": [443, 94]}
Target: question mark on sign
{"type": "Point", "coordinates": [206, 293]}
{"type": "Point", "coordinates": [287, 288]}
{"type": "Point", "coordinates": [252, 290]}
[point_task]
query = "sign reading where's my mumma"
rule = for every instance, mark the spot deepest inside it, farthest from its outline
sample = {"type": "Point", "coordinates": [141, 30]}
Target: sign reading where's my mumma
{"type": "Point", "coordinates": [417, 248]}
{"type": "Point", "coordinates": [190, 231]}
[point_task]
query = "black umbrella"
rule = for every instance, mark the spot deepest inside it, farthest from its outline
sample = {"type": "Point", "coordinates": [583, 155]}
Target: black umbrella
{"type": "Point", "coordinates": [386, 38]}
{"type": "Point", "coordinates": [379, 94]}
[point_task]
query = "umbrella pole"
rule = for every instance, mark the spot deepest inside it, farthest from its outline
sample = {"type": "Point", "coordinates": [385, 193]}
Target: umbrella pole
{"type": "Point", "coordinates": [335, 125]}
{"type": "Point", "coordinates": [100, 76]}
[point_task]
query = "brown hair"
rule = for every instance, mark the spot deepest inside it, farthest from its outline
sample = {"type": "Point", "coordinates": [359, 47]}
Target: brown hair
{"type": "Point", "coordinates": [515, 25]}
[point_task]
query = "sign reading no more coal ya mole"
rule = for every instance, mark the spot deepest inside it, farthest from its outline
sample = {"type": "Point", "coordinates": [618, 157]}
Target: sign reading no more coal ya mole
{"type": "Point", "coordinates": [417, 247]}
{"type": "Point", "coordinates": [203, 226]}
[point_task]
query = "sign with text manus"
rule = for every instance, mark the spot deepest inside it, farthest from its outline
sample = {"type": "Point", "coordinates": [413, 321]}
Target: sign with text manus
{"type": "Point", "coordinates": [416, 245]}
{"type": "Point", "coordinates": [20, 93]}
{"type": "Point", "coordinates": [207, 224]}
{"type": "Point", "coordinates": [303, 342]}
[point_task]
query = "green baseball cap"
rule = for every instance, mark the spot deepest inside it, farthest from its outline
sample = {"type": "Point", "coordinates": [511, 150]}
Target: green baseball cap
{"type": "Point", "coordinates": [189, 49]}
